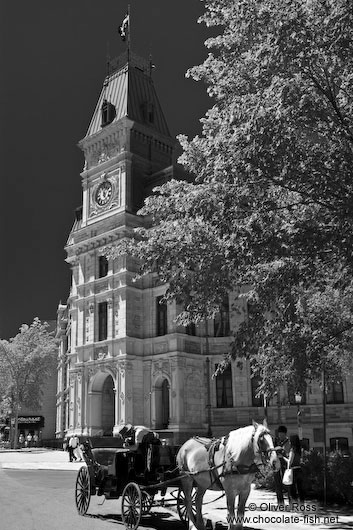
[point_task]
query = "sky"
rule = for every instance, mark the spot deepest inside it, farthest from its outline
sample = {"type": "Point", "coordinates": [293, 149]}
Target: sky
{"type": "Point", "coordinates": [52, 67]}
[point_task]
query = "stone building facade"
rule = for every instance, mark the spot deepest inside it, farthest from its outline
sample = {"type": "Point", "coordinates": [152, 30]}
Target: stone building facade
{"type": "Point", "coordinates": [122, 358]}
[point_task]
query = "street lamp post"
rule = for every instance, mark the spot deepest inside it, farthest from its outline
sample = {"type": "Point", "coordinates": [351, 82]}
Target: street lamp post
{"type": "Point", "coordinates": [298, 400]}
{"type": "Point", "coordinates": [208, 375]}
{"type": "Point", "coordinates": [324, 433]}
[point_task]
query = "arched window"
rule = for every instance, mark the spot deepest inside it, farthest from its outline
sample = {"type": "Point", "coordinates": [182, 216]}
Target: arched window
{"type": "Point", "coordinates": [224, 388]}
{"type": "Point", "coordinates": [102, 266]}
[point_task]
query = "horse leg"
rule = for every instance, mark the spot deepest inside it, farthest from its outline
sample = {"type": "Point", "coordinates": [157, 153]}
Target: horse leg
{"type": "Point", "coordinates": [243, 497]}
{"type": "Point", "coordinates": [198, 505]}
{"type": "Point", "coordinates": [231, 493]}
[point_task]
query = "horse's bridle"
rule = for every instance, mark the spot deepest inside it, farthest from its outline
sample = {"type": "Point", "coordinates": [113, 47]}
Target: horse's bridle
{"type": "Point", "coordinates": [264, 453]}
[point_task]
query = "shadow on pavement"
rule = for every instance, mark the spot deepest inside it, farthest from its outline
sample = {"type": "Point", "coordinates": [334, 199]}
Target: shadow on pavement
{"type": "Point", "coordinates": [159, 520]}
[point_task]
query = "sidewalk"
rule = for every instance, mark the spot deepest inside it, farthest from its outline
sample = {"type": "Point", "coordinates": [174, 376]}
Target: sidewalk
{"type": "Point", "coordinates": [262, 513]}
{"type": "Point", "coordinates": [261, 510]}
{"type": "Point", "coordinates": [37, 458]}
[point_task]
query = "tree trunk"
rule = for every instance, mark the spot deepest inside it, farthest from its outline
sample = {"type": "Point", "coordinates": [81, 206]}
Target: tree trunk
{"type": "Point", "coordinates": [15, 440]}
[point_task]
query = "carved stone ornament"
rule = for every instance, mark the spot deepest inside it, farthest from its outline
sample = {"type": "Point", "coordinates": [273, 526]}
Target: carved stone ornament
{"type": "Point", "coordinates": [122, 397]}
{"type": "Point", "coordinates": [122, 367]}
{"type": "Point", "coordinates": [92, 370]}
{"type": "Point", "coordinates": [103, 157]}
{"type": "Point", "coordinates": [161, 368]}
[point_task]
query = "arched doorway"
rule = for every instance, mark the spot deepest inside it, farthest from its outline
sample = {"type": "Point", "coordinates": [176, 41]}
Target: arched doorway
{"type": "Point", "coordinates": [101, 405]}
{"type": "Point", "coordinates": [162, 404]}
{"type": "Point", "coordinates": [108, 406]}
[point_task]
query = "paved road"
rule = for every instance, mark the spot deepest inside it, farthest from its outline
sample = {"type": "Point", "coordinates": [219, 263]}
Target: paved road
{"type": "Point", "coordinates": [37, 493]}
{"type": "Point", "coordinates": [44, 500]}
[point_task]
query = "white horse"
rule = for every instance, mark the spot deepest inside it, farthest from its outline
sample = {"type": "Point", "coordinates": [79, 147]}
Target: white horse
{"type": "Point", "coordinates": [228, 464]}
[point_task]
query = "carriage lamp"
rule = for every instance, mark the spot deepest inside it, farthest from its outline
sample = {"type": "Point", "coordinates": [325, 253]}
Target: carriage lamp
{"type": "Point", "coordinates": [298, 400]}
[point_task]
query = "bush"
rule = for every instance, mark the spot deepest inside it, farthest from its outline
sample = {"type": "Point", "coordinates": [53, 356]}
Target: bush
{"type": "Point", "coordinates": [264, 479]}
{"type": "Point", "coordinates": [339, 478]}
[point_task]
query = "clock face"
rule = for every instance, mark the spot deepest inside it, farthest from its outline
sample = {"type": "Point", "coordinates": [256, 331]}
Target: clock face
{"type": "Point", "coordinates": [104, 193]}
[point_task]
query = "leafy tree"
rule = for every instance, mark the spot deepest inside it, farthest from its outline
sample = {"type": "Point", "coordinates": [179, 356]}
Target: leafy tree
{"type": "Point", "coordinates": [271, 205]}
{"type": "Point", "coordinates": [25, 363]}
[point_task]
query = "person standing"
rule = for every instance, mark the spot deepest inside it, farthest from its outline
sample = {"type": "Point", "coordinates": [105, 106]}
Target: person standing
{"type": "Point", "coordinates": [282, 447]}
{"type": "Point", "coordinates": [21, 440]}
{"type": "Point", "coordinates": [71, 449]}
{"type": "Point", "coordinates": [296, 489]}
{"type": "Point", "coordinates": [77, 450]}
{"type": "Point", "coordinates": [29, 440]}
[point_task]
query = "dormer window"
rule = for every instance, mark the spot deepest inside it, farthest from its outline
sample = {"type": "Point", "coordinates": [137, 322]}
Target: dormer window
{"type": "Point", "coordinates": [108, 113]}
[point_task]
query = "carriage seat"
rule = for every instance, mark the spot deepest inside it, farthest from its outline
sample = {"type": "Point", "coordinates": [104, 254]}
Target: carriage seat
{"type": "Point", "coordinates": [104, 457]}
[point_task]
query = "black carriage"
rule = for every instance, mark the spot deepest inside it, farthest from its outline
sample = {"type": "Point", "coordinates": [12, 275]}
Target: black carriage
{"type": "Point", "coordinates": [136, 474]}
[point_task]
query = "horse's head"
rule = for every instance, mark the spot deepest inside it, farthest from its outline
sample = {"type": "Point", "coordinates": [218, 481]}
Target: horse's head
{"type": "Point", "coordinates": [263, 446]}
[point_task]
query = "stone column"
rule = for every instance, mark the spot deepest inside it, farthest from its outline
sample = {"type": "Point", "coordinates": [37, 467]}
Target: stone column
{"type": "Point", "coordinates": [110, 318]}
{"type": "Point", "coordinates": [79, 401]}
{"type": "Point", "coordinates": [116, 405]}
{"type": "Point", "coordinates": [72, 401]}
{"type": "Point", "coordinates": [125, 392]}
{"type": "Point", "coordinates": [177, 393]}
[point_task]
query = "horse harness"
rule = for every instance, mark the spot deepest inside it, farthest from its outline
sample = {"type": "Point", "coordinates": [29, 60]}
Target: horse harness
{"type": "Point", "coordinates": [212, 446]}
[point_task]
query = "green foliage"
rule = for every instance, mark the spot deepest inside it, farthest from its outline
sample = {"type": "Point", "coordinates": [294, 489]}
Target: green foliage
{"type": "Point", "coordinates": [339, 477]}
{"type": "Point", "coordinates": [25, 362]}
{"type": "Point", "coordinates": [271, 203]}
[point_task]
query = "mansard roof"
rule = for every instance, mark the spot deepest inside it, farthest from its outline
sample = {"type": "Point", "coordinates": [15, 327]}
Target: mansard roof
{"type": "Point", "coordinates": [129, 88]}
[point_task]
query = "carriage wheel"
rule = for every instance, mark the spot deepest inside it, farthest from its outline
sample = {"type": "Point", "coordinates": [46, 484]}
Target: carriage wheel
{"type": "Point", "coordinates": [83, 490]}
{"type": "Point", "coordinates": [131, 506]}
{"type": "Point", "coordinates": [147, 501]}
{"type": "Point", "coordinates": [181, 506]}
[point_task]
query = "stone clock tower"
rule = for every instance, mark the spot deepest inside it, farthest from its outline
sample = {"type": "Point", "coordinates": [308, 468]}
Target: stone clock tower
{"type": "Point", "coordinates": [122, 357]}
{"type": "Point", "coordinates": [128, 150]}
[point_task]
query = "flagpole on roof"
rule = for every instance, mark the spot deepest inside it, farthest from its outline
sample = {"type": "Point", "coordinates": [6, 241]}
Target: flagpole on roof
{"type": "Point", "coordinates": [124, 31]}
{"type": "Point", "coordinates": [128, 34]}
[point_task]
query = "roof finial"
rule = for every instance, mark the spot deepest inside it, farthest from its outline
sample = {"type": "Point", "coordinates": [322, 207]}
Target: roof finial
{"type": "Point", "coordinates": [151, 64]}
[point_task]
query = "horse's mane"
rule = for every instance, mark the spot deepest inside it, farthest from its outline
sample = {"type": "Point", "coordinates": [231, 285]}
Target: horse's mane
{"type": "Point", "coordinates": [241, 442]}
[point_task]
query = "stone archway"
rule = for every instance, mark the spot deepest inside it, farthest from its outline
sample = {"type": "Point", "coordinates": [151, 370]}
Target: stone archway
{"type": "Point", "coordinates": [162, 403]}
{"type": "Point", "coordinates": [102, 405]}
{"type": "Point", "coordinates": [108, 406]}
